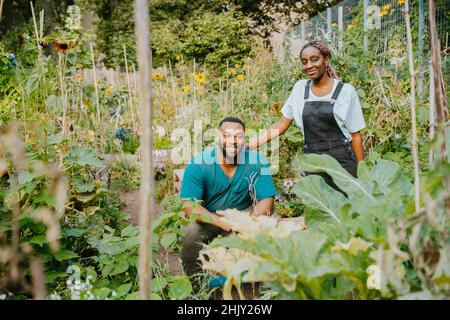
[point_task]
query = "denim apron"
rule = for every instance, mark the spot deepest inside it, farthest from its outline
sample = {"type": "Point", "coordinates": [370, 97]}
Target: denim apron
{"type": "Point", "coordinates": [324, 136]}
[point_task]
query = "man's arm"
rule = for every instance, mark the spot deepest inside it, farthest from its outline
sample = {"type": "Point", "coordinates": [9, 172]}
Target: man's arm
{"type": "Point", "coordinates": [263, 207]}
{"type": "Point", "coordinates": [214, 218]}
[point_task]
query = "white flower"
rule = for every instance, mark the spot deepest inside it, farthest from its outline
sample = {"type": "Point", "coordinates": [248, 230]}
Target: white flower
{"type": "Point", "coordinates": [55, 296]}
{"type": "Point", "coordinates": [3, 296]}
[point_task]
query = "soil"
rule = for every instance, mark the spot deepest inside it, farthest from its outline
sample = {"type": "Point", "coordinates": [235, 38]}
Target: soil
{"type": "Point", "coordinates": [132, 200]}
{"type": "Point", "coordinates": [172, 259]}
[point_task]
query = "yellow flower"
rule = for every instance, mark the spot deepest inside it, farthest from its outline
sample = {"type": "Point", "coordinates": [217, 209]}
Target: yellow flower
{"type": "Point", "coordinates": [237, 66]}
{"type": "Point", "coordinates": [187, 89]}
{"type": "Point", "coordinates": [200, 77]}
{"type": "Point", "coordinates": [79, 76]}
{"type": "Point", "coordinates": [99, 83]}
{"type": "Point", "coordinates": [400, 2]}
{"type": "Point", "coordinates": [108, 91]}
{"type": "Point", "coordinates": [387, 7]}
{"type": "Point", "coordinates": [383, 13]}
{"type": "Point", "coordinates": [111, 85]}
{"type": "Point", "coordinates": [244, 66]}
{"type": "Point", "coordinates": [233, 72]}
{"type": "Point", "coordinates": [157, 76]}
{"type": "Point", "coordinates": [240, 77]}
{"type": "Point", "coordinates": [178, 57]}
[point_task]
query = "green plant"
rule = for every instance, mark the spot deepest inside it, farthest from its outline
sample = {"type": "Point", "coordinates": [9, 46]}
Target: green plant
{"type": "Point", "coordinates": [124, 176]}
{"type": "Point", "coordinates": [375, 228]}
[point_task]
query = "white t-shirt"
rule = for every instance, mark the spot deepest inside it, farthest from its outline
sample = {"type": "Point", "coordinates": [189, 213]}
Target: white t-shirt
{"type": "Point", "coordinates": [347, 109]}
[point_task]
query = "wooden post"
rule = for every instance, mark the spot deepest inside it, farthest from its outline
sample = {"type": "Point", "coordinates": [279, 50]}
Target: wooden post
{"type": "Point", "coordinates": [341, 27]}
{"type": "Point", "coordinates": [421, 57]}
{"type": "Point", "coordinates": [432, 113]}
{"type": "Point", "coordinates": [440, 97]}
{"type": "Point", "coordinates": [302, 34]}
{"type": "Point", "coordinates": [329, 19]}
{"type": "Point", "coordinates": [144, 57]}
{"type": "Point", "coordinates": [412, 76]}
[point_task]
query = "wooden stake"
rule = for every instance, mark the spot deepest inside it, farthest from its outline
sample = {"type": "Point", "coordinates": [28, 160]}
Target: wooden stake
{"type": "Point", "coordinates": [440, 100]}
{"type": "Point", "coordinates": [130, 98]}
{"type": "Point", "coordinates": [144, 58]}
{"type": "Point", "coordinates": [173, 87]}
{"type": "Point", "coordinates": [36, 33]}
{"type": "Point", "coordinates": [62, 91]}
{"type": "Point", "coordinates": [97, 104]}
{"type": "Point", "coordinates": [412, 75]}
{"type": "Point", "coordinates": [1, 9]}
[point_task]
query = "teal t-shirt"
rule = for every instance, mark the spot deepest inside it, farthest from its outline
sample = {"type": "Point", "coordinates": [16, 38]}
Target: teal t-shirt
{"type": "Point", "coordinates": [205, 180]}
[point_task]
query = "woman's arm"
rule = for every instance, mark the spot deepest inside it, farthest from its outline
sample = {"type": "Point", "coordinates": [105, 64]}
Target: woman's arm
{"type": "Point", "coordinates": [358, 146]}
{"type": "Point", "coordinates": [274, 131]}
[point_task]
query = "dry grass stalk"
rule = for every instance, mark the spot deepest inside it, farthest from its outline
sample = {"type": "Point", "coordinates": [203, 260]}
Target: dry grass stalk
{"type": "Point", "coordinates": [413, 109]}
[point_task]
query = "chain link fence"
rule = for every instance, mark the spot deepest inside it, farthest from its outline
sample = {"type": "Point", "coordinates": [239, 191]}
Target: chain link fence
{"type": "Point", "coordinates": [384, 23]}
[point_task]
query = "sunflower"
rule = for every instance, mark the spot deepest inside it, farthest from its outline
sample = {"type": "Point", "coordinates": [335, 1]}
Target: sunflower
{"type": "Point", "coordinates": [237, 66]}
{"type": "Point", "coordinates": [187, 89]}
{"type": "Point", "coordinates": [400, 2]}
{"type": "Point", "coordinates": [64, 46]}
{"type": "Point", "coordinates": [233, 72]}
{"type": "Point", "coordinates": [240, 77]}
{"type": "Point", "coordinates": [79, 76]}
{"type": "Point", "coordinates": [200, 77]}
{"type": "Point", "coordinates": [99, 83]}
{"type": "Point", "coordinates": [108, 91]}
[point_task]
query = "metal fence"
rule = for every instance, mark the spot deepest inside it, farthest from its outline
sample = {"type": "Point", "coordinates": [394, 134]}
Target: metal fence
{"type": "Point", "coordinates": [383, 22]}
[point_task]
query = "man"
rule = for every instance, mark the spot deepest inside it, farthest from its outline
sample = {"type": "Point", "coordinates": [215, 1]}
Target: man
{"type": "Point", "coordinates": [225, 177]}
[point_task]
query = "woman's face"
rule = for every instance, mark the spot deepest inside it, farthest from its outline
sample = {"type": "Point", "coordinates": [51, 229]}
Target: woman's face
{"type": "Point", "coordinates": [314, 64]}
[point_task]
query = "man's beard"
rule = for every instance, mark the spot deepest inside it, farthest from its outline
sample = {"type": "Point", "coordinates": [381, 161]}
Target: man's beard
{"type": "Point", "coordinates": [230, 159]}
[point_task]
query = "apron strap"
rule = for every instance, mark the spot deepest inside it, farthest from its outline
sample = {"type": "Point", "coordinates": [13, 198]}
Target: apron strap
{"type": "Point", "coordinates": [337, 91]}
{"type": "Point", "coordinates": [307, 86]}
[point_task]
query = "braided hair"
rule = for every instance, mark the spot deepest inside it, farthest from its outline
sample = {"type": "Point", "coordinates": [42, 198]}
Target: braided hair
{"type": "Point", "coordinates": [325, 53]}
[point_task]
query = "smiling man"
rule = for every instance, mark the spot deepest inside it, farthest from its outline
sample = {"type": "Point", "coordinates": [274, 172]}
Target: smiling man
{"type": "Point", "coordinates": [225, 177]}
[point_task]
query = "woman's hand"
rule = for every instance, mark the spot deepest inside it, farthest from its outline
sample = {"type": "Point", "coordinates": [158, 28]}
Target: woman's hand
{"type": "Point", "coordinates": [357, 146]}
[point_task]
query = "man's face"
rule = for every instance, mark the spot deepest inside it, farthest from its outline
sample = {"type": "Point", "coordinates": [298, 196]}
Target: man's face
{"type": "Point", "coordinates": [231, 140]}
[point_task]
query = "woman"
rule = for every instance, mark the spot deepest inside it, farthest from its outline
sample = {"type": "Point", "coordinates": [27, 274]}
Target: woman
{"type": "Point", "coordinates": [327, 111]}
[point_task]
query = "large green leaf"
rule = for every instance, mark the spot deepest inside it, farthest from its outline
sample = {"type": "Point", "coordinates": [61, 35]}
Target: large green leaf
{"type": "Point", "coordinates": [168, 240]}
{"type": "Point", "coordinates": [121, 267]}
{"type": "Point", "coordinates": [355, 188]}
{"type": "Point", "coordinates": [64, 255]}
{"type": "Point", "coordinates": [32, 83]}
{"type": "Point", "coordinates": [129, 231]}
{"type": "Point", "coordinates": [123, 290]}
{"type": "Point", "coordinates": [316, 193]}
{"type": "Point", "coordinates": [181, 288]}
{"type": "Point", "coordinates": [25, 177]}
{"type": "Point", "coordinates": [83, 156]}
{"type": "Point", "coordinates": [83, 184]}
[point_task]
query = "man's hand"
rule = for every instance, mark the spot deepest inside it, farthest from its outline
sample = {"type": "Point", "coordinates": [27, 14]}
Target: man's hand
{"type": "Point", "coordinates": [213, 218]}
{"type": "Point", "coordinates": [263, 207]}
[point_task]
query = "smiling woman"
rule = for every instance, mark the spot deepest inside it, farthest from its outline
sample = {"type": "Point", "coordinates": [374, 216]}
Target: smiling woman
{"type": "Point", "coordinates": [326, 110]}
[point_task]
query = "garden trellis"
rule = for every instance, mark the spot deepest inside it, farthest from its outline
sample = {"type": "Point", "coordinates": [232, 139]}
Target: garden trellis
{"type": "Point", "coordinates": [383, 22]}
